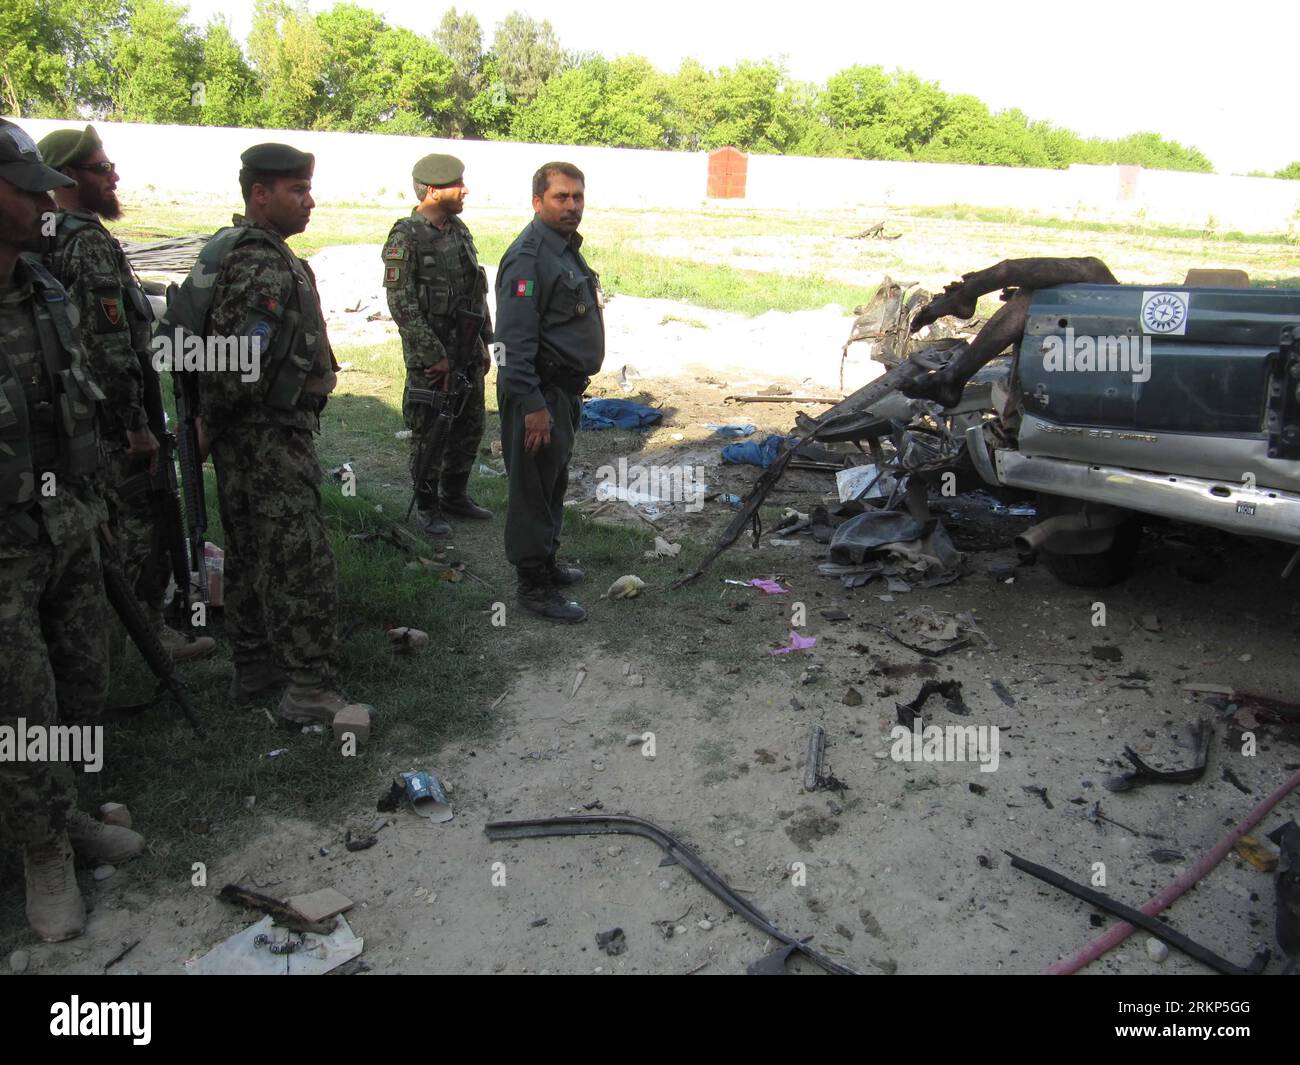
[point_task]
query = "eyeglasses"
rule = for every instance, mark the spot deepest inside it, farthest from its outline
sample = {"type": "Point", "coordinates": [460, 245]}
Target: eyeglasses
{"type": "Point", "coordinates": [96, 168]}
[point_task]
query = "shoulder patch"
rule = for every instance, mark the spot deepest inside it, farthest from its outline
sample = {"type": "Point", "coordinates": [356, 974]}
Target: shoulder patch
{"type": "Point", "coordinates": [395, 251]}
{"type": "Point", "coordinates": [524, 287]}
{"type": "Point", "coordinates": [110, 310]}
{"type": "Point", "coordinates": [393, 275]}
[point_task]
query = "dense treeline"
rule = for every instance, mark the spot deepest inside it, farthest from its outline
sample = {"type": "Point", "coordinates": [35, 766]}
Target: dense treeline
{"type": "Point", "coordinates": [348, 69]}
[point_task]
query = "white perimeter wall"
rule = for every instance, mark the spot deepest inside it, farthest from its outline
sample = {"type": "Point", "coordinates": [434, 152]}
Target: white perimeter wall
{"type": "Point", "coordinates": [199, 162]}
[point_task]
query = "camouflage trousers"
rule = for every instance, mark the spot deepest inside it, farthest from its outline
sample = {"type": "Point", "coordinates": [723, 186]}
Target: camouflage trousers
{"type": "Point", "coordinates": [280, 582]}
{"type": "Point", "coordinates": [54, 631]}
{"type": "Point", "coordinates": [460, 451]}
{"type": "Point", "coordinates": [140, 547]}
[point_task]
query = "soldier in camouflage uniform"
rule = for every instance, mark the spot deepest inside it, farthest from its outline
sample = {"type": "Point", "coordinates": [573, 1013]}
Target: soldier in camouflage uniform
{"type": "Point", "coordinates": [430, 269]}
{"type": "Point", "coordinates": [115, 326]}
{"type": "Point", "coordinates": [248, 288]}
{"type": "Point", "coordinates": [53, 613]}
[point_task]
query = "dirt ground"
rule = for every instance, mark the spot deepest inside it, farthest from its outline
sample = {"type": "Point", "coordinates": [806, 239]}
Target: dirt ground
{"type": "Point", "coordinates": [903, 868]}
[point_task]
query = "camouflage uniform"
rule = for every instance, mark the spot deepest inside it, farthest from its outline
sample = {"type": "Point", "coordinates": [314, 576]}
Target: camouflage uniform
{"type": "Point", "coordinates": [53, 613]}
{"type": "Point", "coordinates": [281, 601]}
{"type": "Point", "coordinates": [115, 325]}
{"type": "Point", "coordinates": [428, 273]}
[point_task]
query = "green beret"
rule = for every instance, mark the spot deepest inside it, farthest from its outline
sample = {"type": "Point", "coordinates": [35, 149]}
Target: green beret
{"type": "Point", "coordinates": [438, 170]}
{"type": "Point", "coordinates": [64, 147]}
{"type": "Point", "coordinates": [278, 159]}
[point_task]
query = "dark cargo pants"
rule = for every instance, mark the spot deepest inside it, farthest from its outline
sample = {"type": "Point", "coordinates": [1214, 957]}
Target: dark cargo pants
{"type": "Point", "coordinates": [538, 481]}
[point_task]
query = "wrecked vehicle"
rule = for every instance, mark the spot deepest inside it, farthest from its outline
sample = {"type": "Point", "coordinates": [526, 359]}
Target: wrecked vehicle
{"type": "Point", "coordinates": [1105, 401]}
{"type": "Point", "coordinates": [1118, 401]}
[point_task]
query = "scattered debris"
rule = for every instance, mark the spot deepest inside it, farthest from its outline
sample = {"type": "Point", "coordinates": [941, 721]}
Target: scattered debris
{"type": "Point", "coordinates": [664, 549]}
{"type": "Point", "coordinates": [1144, 774]}
{"type": "Point", "coordinates": [1227, 775]}
{"type": "Point", "coordinates": [286, 953]}
{"type": "Point", "coordinates": [835, 615]}
{"type": "Point", "coordinates": [1287, 838]}
{"type": "Point", "coordinates": [1166, 856]}
{"type": "Point", "coordinates": [319, 905]}
{"type": "Point", "coordinates": [770, 587]}
{"type": "Point", "coordinates": [1157, 951]}
{"type": "Point", "coordinates": [1137, 918]}
{"type": "Point", "coordinates": [1000, 690]}
{"type": "Point", "coordinates": [587, 826]}
{"type": "Point", "coordinates": [407, 641]}
{"type": "Point", "coordinates": [797, 643]}
{"type": "Point", "coordinates": [1260, 853]}
{"type": "Point", "coordinates": [949, 689]}
{"type": "Point", "coordinates": [812, 774]}
{"type": "Point", "coordinates": [612, 942]}
{"type": "Point", "coordinates": [427, 795]}
{"type": "Point", "coordinates": [577, 680]}
{"type": "Point", "coordinates": [363, 843]}
{"type": "Point", "coordinates": [114, 813]}
{"type": "Point", "coordinates": [1106, 653]}
{"type": "Point", "coordinates": [281, 912]}
{"type": "Point", "coordinates": [626, 587]}
{"type": "Point", "coordinates": [852, 697]}
{"type": "Point", "coordinates": [1040, 791]}
{"type": "Point", "coordinates": [19, 960]}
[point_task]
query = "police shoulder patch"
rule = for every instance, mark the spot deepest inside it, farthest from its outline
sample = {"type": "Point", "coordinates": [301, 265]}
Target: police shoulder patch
{"type": "Point", "coordinates": [524, 287]}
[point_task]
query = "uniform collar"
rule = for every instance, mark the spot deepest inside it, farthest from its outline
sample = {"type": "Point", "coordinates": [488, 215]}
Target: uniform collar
{"type": "Point", "coordinates": [243, 220]}
{"type": "Point", "coordinates": [554, 239]}
{"type": "Point", "coordinates": [447, 226]}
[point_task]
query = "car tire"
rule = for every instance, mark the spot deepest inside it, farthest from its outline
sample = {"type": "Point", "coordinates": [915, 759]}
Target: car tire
{"type": "Point", "coordinates": [1100, 570]}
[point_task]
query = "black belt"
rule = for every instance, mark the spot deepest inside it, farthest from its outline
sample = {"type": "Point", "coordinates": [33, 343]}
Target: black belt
{"type": "Point", "coordinates": [566, 379]}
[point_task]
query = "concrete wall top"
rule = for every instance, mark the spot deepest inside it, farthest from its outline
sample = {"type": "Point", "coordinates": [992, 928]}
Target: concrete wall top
{"type": "Point", "coordinates": [189, 162]}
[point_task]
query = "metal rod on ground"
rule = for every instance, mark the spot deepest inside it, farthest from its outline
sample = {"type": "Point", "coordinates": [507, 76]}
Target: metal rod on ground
{"type": "Point", "coordinates": [1114, 936]}
{"type": "Point", "coordinates": [1104, 902]}
{"type": "Point", "coordinates": [812, 774]}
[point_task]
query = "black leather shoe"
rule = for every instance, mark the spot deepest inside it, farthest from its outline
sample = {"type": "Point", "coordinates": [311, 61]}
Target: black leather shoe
{"type": "Point", "coordinates": [545, 601]}
{"type": "Point", "coordinates": [429, 520]}
{"type": "Point", "coordinates": [464, 507]}
{"type": "Point", "coordinates": [562, 575]}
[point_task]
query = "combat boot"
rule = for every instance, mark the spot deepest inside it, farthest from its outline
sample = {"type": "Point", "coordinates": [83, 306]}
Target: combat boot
{"type": "Point", "coordinates": [182, 648]}
{"type": "Point", "coordinates": [538, 595]}
{"type": "Point", "coordinates": [55, 908]}
{"type": "Point", "coordinates": [429, 520]}
{"type": "Point", "coordinates": [94, 841]}
{"type": "Point", "coordinates": [456, 500]}
{"type": "Point", "coordinates": [312, 700]}
{"type": "Point", "coordinates": [255, 682]}
{"type": "Point", "coordinates": [562, 575]}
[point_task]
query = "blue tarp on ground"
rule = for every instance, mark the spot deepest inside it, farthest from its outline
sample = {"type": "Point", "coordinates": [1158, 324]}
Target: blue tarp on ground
{"type": "Point", "coordinates": [754, 454]}
{"type": "Point", "coordinates": [618, 414]}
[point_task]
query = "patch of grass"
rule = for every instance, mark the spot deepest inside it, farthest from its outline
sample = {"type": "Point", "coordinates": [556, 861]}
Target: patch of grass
{"type": "Point", "coordinates": [694, 323]}
{"type": "Point", "coordinates": [719, 287]}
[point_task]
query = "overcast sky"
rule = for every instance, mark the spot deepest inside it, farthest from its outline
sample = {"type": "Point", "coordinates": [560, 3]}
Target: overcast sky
{"type": "Point", "coordinates": [1219, 76]}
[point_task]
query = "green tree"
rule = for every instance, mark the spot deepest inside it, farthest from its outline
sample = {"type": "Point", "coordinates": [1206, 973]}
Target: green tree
{"type": "Point", "coordinates": [527, 55]}
{"type": "Point", "coordinates": [229, 93]}
{"type": "Point", "coordinates": [379, 78]}
{"type": "Point", "coordinates": [53, 55]}
{"type": "Point", "coordinates": [288, 57]}
{"type": "Point", "coordinates": [1292, 172]}
{"type": "Point", "coordinates": [154, 61]}
{"type": "Point", "coordinates": [461, 38]}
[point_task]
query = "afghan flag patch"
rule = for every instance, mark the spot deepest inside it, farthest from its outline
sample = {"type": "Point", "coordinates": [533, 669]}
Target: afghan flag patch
{"type": "Point", "coordinates": [523, 288]}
